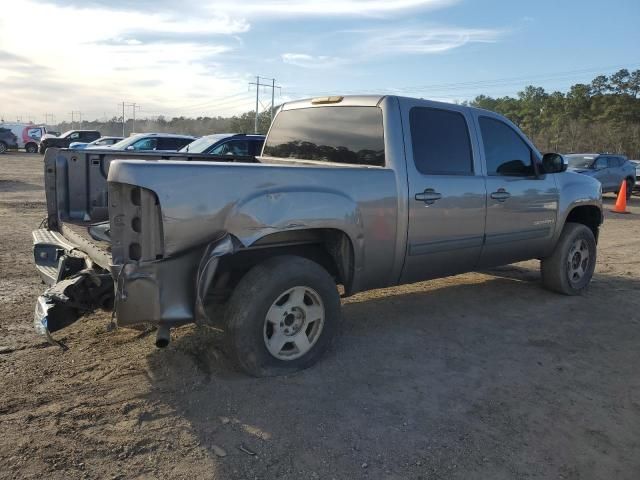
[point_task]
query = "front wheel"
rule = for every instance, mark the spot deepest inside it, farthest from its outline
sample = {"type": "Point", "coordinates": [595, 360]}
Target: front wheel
{"type": "Point", "coordinates": [31, 148]}
{"type": "Point", "coordinates": [3, 147]}
{"type": "Point", "coordinates": [570, 267]}
{"type": "Point", "coordinates": [282, 316]}
{"type": "Point", "coordinates": [630, 185]}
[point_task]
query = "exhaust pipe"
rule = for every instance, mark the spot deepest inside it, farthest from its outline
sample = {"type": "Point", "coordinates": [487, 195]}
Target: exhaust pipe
{"type": "Point", "coordinates": [163, 337]}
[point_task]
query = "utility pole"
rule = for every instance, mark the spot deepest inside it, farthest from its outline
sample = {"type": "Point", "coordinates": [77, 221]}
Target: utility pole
{"type": "Point", "coordinates": [134, 106]}
{"type": "Point", "coordinates": [273, 87]}
{"type": "Point", "coordinates": [255, 121]}
{"type": "Point", "coordinates": [48, 116]}
{"type": "Point", "coordinates": [273, 93]}
{"type": "Point", "coordinates": [73, 113]}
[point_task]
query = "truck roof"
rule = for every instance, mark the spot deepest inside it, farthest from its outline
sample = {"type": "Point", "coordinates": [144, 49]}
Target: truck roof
{"type": "Point", "coordinates": [363, 101]}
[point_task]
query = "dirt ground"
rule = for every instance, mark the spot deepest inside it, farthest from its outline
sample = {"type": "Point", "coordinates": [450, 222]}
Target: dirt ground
{"type": "Point", "coordinates": [479, 376]}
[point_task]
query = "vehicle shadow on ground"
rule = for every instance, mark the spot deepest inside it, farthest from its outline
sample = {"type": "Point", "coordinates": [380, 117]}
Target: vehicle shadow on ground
{"type": "Point", "coordinates": [462, 372]}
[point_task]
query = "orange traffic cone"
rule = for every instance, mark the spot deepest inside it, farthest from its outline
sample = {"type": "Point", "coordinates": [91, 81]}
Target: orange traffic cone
{"type": "Point", "coordinates": [621, 202]}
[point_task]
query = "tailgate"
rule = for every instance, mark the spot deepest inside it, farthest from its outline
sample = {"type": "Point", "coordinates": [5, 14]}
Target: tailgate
{"type": "Point", "coordinates": [76, 181]}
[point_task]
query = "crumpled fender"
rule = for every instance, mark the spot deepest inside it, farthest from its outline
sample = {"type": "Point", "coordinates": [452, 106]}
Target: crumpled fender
{"type": "Point", "coordinates": [277, 210]}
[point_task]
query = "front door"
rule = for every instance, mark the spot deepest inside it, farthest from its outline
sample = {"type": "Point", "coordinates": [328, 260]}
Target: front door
{"type": "Point", "coordinates": [602, 172]}
{"type": "Point", "coordinates": [522, 204]}
{"type": "Point", "coordinates": [446, 193]}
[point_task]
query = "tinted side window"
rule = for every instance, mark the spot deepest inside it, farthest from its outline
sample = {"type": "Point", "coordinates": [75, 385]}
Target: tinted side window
{"type": "Point", "coordinates": [233, 147]}
{"type": "Point", "coordinates": [601, 162]}
{"type": "Point", "coordinates": [328, 134]}
{"type": "Point", "coordinates": [256, 147]}
{"type": "Point", "coordinates": [168, 143]}
{"type": "Point", "coordinates": [440, 141]}
{"type": "Point", "coordinates": [505, 151]}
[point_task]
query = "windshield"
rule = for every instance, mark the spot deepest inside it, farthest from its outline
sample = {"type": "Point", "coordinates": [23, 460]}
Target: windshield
{"type": "Point", "coordinates": [580, 161]}
{"type": "Point", "coordinates": [352, 135]}
{"type": "Point", "coordinates": [122, 144]}
{"type": "Point", "coordinates": [67, 133]}
{"type": "Point", "coordinates": [202, 144]}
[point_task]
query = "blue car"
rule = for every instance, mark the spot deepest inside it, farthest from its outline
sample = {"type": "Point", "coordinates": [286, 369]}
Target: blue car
{"type": "Point", "coordinates": [102, 142]}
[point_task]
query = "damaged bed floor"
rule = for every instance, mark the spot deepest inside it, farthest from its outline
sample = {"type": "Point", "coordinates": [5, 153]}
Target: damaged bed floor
{"type": "Point", "coordinates": [484, 375]}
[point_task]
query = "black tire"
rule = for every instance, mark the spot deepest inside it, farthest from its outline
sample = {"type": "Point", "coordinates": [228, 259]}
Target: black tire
{"type": "Point", "coordinates": [630, 184]}
{"type": "Point", "coordinates": [31, 148]}
{"type": "Point", "coordinates": [556, 269]}
{"type": "Point", "coordinates": [42, 149]}
{"type": "Point", "coordinates": [3, 148]}
{"type": "Point", "coordinates": [252, 299]}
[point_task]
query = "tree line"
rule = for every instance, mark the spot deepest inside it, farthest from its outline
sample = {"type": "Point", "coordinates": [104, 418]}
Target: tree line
{"type": "Point", "coordinates": [601, 116]}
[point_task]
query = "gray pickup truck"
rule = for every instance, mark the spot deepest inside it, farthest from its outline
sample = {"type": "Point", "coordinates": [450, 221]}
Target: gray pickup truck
{"type": "Point", "coordinates": [361, 192]}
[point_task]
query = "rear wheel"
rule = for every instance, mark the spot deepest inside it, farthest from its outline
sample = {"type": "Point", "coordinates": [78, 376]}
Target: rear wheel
{"type": "Point", "coordinates": [282, 316]}
{"type": "Point", "coordinates": [3, 147]}
{"type": "Point", "coordinates": [31, 148]}
{"type": "Point", "coordinates": [570, 267]}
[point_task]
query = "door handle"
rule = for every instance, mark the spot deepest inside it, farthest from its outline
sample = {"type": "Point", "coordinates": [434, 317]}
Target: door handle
{"type": "Point", "coordinates": [501, 195]}
{"type": "Point", "coordinates": [429, 196]}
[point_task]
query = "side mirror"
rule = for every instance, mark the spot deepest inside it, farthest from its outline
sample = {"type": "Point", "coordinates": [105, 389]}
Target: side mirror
{"type": "Point", "coordinates": [554, 163]}
{"type": "Point", "coordinates": [130, 147]}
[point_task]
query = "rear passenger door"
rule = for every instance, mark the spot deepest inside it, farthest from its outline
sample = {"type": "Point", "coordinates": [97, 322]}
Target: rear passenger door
{"type": "Point", "coordinates": [522, 202]}
{"type": "Point", "coordinates": [447, 192]}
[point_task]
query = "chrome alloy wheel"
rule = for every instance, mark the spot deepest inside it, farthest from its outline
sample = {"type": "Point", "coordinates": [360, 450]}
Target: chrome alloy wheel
{"type": "Point", "coordinates": [294, 323]}
{"type": "Point", "coordinates": [578, 260]}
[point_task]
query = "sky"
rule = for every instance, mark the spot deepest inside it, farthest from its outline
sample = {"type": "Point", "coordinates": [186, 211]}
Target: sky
{"type": "Point", "coordinates": [197, 57]}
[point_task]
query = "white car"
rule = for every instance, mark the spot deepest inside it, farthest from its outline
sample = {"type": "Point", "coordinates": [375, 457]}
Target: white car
{"type": "Point", "coordinates": [636, 187]}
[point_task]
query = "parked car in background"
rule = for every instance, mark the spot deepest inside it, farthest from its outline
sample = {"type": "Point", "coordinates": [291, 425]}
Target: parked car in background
{"type": "Point", "coordinates": [610, 169]}
{"type": "Point", "coordinates": [8, 140]}
{"type": "Point", "coordinates": [102, 142]}
{"type": "Point", "coordinates": [27, 135]}
{"type": "Point", "coordinates": [64, 140]}
{"type": "Point", "coordinates": [141, 142]}
{"type": "Point", "coordinates": [636, 187]}
{"type": "Point", "coordinates": [236, 144]}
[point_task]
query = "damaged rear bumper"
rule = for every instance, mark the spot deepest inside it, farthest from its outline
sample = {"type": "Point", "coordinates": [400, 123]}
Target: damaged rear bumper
{"type": "Point", "coordinates": [167, 292]}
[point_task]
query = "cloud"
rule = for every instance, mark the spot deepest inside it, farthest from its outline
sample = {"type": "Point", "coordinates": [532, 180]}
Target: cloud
{"type": "Point", "coordinates": [252, 8]}
{"type": "Point", "coordinates": [368, 45]}
{"type": "Point", "coordinates": [426, 40]}
{"type": "Point", "coordinates": [329, 8]}
{"type": "Point", "coordinates": [310, 61]}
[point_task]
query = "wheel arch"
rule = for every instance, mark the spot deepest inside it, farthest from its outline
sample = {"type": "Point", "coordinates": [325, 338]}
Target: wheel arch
{"type": "Point", "coordinates": [588, 215]}
{"type": "Point", "coordinates": [330, 248]}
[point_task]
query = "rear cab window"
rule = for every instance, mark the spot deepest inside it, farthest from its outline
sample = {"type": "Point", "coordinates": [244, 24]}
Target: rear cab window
{"type": "Point", "coordinates": [345, 135]}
